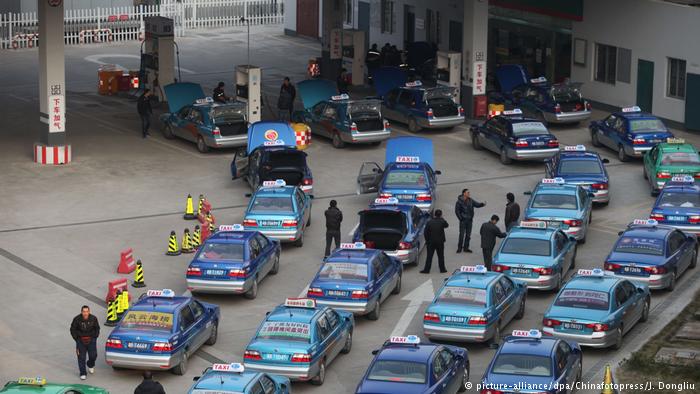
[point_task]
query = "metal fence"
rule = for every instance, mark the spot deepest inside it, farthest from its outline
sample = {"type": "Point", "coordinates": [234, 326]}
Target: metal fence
{"type": "Point", "coordinates": [96, 25]}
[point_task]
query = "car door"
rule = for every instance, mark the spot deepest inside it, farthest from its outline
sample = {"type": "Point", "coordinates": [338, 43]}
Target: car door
{"type": "Point", "coordinates": [498, 295]}
{"type": "Point", "coordinates": [617, 137]}
{"type": "Point", "coordinates": [302, 206]}
{"type": "Point", "coordinates": [254, 163]}
{"type": "Point", "coordinates": [324, 338]}
{"type": "Point", "coordinates": [404, 104]}
{"type": "Point", "coordinates": [257, 259]}
{"type": "Point", "coordinates": [188, 332]}
{"type": "Point", "coordinates": [390, 274]}
{"type": "Point", "coordinates": [682, 251]}
{"type": "Point", "coordinates": [266, 251]}
{"type": "Point", "coordinates": [490, 134]}
{"type": "Point", "coordinates": [389, 110]}
{"type": "Point", "coordinates": [438, 374]}
{"type": "Point", "coordinates": [316, 113]}
{"type": "Point", "coordinates": [190, 129]}
{"type": "Point", "coordinates": [449, 361]}
{"type": "Point", "coordinates": [550, 167]}
{"type": "Point", "coordinates": [649, 161]}
{"type": "Point", "coordinates": [565, 361]}
{"type": "Point", "coordinates": [419, 219]}
{"type": "Point", "coordinates": [329, 120]}
{"type": "Point", "coordinates": [335, 329]}
{"type": "Point", "coordinates": [511, 303]}
{"type": "Point", "coordinates": [267, 384]}
{"type": "Point", "coordinates": [626, 314]}
{"type": "Point", "coordinates": [636, 302]}
{"type": "Point", "coordinates": [202, 323]}
{"type": "Point", "coordinates": [369, 178]}
{"type": "Point", "coordinates": [565, 252]}
{"type": "Point", "coordinates": [378, 278]}
{"type": "Point", "coordinates": [605, 128]}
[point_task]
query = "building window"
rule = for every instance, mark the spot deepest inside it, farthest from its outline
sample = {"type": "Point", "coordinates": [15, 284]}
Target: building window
{"type": "Point", "coordinates": [432, 26]}
{"type": "Point", "coordinates": [387, 10]}
{"type": "Point", "coordinates": [348, 12]}
{"type": "Point", "coordinates": [676, 78]}
{"type": "Point", "coordinates": [606, 63]}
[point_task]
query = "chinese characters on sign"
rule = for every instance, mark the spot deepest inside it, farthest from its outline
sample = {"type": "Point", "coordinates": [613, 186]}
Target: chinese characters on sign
{"type": "Point", "coordinates": [479, 78]}
{"type": "Point", "coordinates": [57, 113]}
{"type": "Point", "coordinates": [336, 44]}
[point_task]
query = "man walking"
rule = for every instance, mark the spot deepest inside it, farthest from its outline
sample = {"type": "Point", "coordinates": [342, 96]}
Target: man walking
{"type": "Point", "coordinates": [489, 232]}
{"type": "Point", "coordinates": [285, 103]}
{"type": "Point", "coordinates": [333, 219]}
{"type": "Point", "coordinates": [464, 209]}
{"type": "Point", "coordinates": [143, 106]}
{"type": "Point", "coordinates": [85, 329]}
{"type": "Point", "coordinates": [148, 385]}
{"type": "Point", "coordinates": [512, 212]}
{"type": "Point", "coordinates": [435, 241]}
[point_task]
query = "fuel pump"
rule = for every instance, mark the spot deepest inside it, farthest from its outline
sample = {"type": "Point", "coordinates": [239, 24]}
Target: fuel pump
{"type": "Point", "coordinates": [158, 54]}
{"type": "Point", "coordinates": [354, 54]}
{"type": "Point", "coordinates": [248, 81]}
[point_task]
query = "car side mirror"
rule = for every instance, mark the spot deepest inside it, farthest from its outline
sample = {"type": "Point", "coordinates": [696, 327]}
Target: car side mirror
{"type": "Point", "coordinates": [311, 196]}
{"type": "Point", "coordinates": [527, 193]}
{"type": "Point", "coordinates": [196, 378]}
{"type": "Point", "coordinates": [249, 195]}
{"type": "Point", "coordinates": [620, 233]}
{"type": "Point", "coordinates": [640, 290]}
{"type": "Point", "coordinates": [572, 238]}
{"type": "Point", "coordinates": [445, 280]}
{"type": "Point", "coordinates": [606, 161]}
{"type": "Point", "coordinates": [438, 172]}
{"type": "Point", "coordinates": [267, 313]}
{"type": "Point", "coordinates": [375, 352]}
{"type": "Point", "coordinates": [590, 194]}
{"type": "Point", "coordinates": [493, 346]}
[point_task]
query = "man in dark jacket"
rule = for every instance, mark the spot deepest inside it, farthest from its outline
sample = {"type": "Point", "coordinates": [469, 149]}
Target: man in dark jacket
{"type": "Point", "coordinates": [85, 329]}
{"type": "Point", "coordinates": [489, 232]}
{"type": "Point", "coordinates": [148, 385]}
{"type": "Point", "coordinates": [435, 241]}
{"type": "Point", "coordinates": [333, 219]}
{"type": "Point", "coordinates": [464, 209]}
{"type": "Point", "coordinates": [144, 109]}
{"type": "Point", "coordinates": [285, 103]}
{"type": "Point", "coordinates": [219, 95]}
{"type": "Point", "coordinates": [512, 212]}
{"type": "Point", "coordinates": [342, 82]}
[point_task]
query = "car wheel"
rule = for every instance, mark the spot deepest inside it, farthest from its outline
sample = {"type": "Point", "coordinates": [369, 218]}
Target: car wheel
{"type": "Point", "coordinates": [397, 288]}
{"type": "Point", "coordinates": [672, 283]}
{"type": "Point", "coordinates": [504, 157]}
{"type": "Point", "coordinates": [475, 142]}
{"type": "Point", "coordinates": [496, 338]}
{"type": "Point", "coordinates": [201, 146]}
{"type": "Point", "coordinates": [573, 258]}
{"type": "Point", "coordinates": [618, 342]}
{"type": "Point", "coordinates": [621, 155]}
{"type": "Point", "coordinates": [275, 266]}
{"type": "Point", "coordinates": [299, 242]}
{"type": "Point", "coordinates": [321, 377]}
{"type": "Point", "coordinates": [253, 291]}
{"type": "Point", "coordinates": [694, 259]}
{"type": "Point", "coordinates": [214, 335]}
{"type": "Point", "coordinates": [645, 311]}
{"type": "Point", "coordinates": [594, 139]}
{"type": "Point", "coordinates": [521, 310]}
{"type": "Point", "coordinates": [465, 380]}
{"type": "Point", "coordinates": [374, 315]}
{"type": "Point", "coordinates": [541, 118]}
{"type": "Point", "coordinates": [557, 286]}
{"type": "Point", "coordinates": [413, 125]}
{"type": "Point", "coordinates": [181, 368]}
{"type": "Point", "coordinates": [654, 192]}
{"type": "Point", "coordinates": [168, 132]}
{"type": "Point", "coordinates": [348, 344]}
{"type": "Point", "coordinates": [337, 141]}
{"type": "Point", "coordinates": [644, 171]}
{"type": "Point", "coordinates": [308, 222]}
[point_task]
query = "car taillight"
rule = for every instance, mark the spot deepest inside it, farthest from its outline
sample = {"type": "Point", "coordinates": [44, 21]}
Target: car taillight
{"type": "Point", "coordinates": [429, 316]}
{"type": "Point", "coordinates": [461, 111]}
{"type": "Point", "coordinates": [600, 186]}
{"type": "Point", "coordinates": [639, 141]}
{"type": "Point", "coordinates": [314, 292]}
{"type": "Point", "coordinates": [499, 268]}
{"type": "Point", "coordinates": [657, 216]}
{"type": "Point", "coordinates": [216, 132]}
{"type": "Point", "coordinates": [579, 106]}
{"type": "Point", "coordinates": [588, 106]}
{"type": "Point", "coordinates": [162, 347]}
{"type": "Point", "coordinates": [612, 266]}
{"type": "Point", "coordinates": [404, 245]}
{"type": "Point", "coordinates": [553, 144]}
{"type": "Point", "coordinates": [307, 181]}
{"type": "Point", "coordinates": [238, 273]}
{"type": "Point", "coordinates": [385, 195]}
{"type": "Point", "coordinates": [477, 320]}
{"type": "Point", "coordinates": [521, 144]}
{"type": "Point", "coordinates": [424, 197]}
{"type": "Point", "coordinates": [697, 175]}
{"type": "Point", "coordinates": [289, 223]}
{"type": "Point", "coordinates": [572, 222]}
{"type": "Point", "coordinates": [557, 108]}
{"type": "Point", "coordinates": [252, 355]}
{"type": "Point", "coordinates": [543, 271]}
{"type": "Point", "coordinates": [353, 127]}
{"type": "Point", "coordinates": [370, 244]}
{"type": "Point", "coordinates": [194, 271]}
{"type": "Point", "coordinates": [598, 327]}
{"type": "Point", "coordinates": [550, 322]}
{"type": "Point", "coordinates": [429, 113]}
{"type": "Point", "coordinates": [655, 270]}
{"type": "Point", "coordinates": [250, 223]}
{"type": "Point", "coordinates": [387, 126]}
{"type": "Point", "coordinates": [663, 175]}
{"type": "Point", "coordinates": [301, 358]}
{"type": "Point", "coordinates": [360, 294]}
{"type": "Point", "coordinates": [694, 219]}
{"type": "Point", "coordinates": [113, 343]}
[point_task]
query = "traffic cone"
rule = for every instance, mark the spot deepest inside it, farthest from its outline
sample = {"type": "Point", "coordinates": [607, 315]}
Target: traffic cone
{"type": "Point", "coordinates": [608, 383]}
{"type": "Point", "coordinates": [112, 318]}
{"type": "Point", "coordinates": [212, 229]}
{"type": "Point", "coordinates": [119, 304]}
{"type": "Point", "coordinates": [173, 248]}
{"type": "Point", "coordinates": [196, 237]}
{"type": "Point", "coordinates": [189, 209]}
{"type": "Point", "coordinates": [200, 204]}
{"type": "Point", "coordinates": [205, 233]}
{"type": "Point", "coordinates": [125, 300]}
{"type": "Point", "coordinates": [186, 242]}
{"type": "Point", "coordinates": [210, 218]}
{"type": "Point", "coordinates": [138, 275]}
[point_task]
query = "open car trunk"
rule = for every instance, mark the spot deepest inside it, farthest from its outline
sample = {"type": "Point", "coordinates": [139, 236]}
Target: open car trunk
{"type": "Point", "coordinates": [443, 107]}
{"type": "Point", "coordinates": [288, 164]}
{"type": "Point", "coordinates": [382, 229]}
{"type": "Point", "coordinates": [368, 122]}
{"type": "Point", "coordinates": [291, 176]}
{"type": "Point", "coordinates": [231, 127]}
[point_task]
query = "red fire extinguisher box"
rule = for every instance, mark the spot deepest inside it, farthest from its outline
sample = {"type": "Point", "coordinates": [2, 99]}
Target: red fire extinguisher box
{"type": "Point", "coordinates": [480, 106]}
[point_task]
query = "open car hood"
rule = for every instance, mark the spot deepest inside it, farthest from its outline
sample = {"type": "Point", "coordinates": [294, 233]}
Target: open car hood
{"type": "Point", "coordinates": [271, 133]}
{"type": "Point", "coordinates": [510, 76]}
{"type": "Point", "coordinates": [313, 91]}
{"type": "Point", "coordinates": [409, 147]}
{"type": "Point", "coordinates": [387, 78]}
{"type": "Point", "coordinates": [182, 94]}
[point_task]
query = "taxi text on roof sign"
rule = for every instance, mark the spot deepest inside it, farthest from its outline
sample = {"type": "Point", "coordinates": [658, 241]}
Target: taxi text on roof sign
{"type": "Point", "coordinates": [414, 84]}
{"type": "Point", "coordinates": [300, 302]}
{"type": "Point", "coordinates": [478, 269]}
{"type": "Point", "coordinates": [539, 224]}
{"type": "Point", "coordinates": [273, 143]}
{"type": "Point", "coordinates": [233, 367]}
{"type": "Point", "coordinates": [355, 245]}
{"type": "Point", "coordinates": [515, 111]}
{"type": "Point", "coordinates": [407, 159]}
{"type": "Point", "coordinates": [231, 227]}
{"type": "Point", "coordinates": [645, 222]}
{"type": "Point", "coordinates": [683, 179]}
{"type": "Point", "coordinates": [275, 183]}
{"type": "Point", "coordinates": [534, 333]}
{"type": "Point", "coordinates": [206, 100]}
{"type": "Point", "coordinates": [633, 108]}
{"type": "Point", "coordinates": [675, 140]}
{"type": "Point", "coordinates": [593, 272]}
{"type": "Point", "coordinates": [37, 381]}
{"type": "Point", "coordinates": [339, 97]}
{"type": "Point", "coordinates": [161, 293]}
{"type": "Point", "coordinates": [538, 80]}
{"type": "Point", "coordinates": [386, 201]}
{"type": "Point", "coordinates": [550, 181]}
{"type": "Point", "coordinates": [410, 339]}
{"type": "Point", "coordinates": [575, 148]}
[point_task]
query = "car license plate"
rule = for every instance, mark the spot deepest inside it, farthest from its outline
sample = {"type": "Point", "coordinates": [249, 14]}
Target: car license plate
{"type": "Point", "coordinates": [337, 293]}
{"type": "Point", "coordinates": [137, 345]}
{"type": "Point", "coordinates": [553, 224]}
{"type": "Point", "coordinates": [269, 223]}
{"type": "Point", "coordinates": [520, 271]}
{"type": "Point", "coordinates": [405, 196]}
{"type": "Point", "coordinates": [454, 319]}
{"type": "Point", "coordinates": [676, 218]}
{"type": "Point", "coordinates": [275, 356]}
{"type": "Point", "coordinates": [215, 272]}
{"type": "Point", "coordinates": [573, 326]}
{"type": "Point", "coordinates": [632, 270]}
{"type": "Point", "coordinates": [537, 143]}
{"type": "Point", "coordinates": [654, 141]}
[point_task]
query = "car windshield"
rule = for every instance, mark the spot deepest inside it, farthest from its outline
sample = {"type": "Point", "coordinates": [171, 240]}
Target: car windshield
{"type": "Point", "coordinates": [528, 246]}
{"type": "Point", "coordinates": [285, 331]}
{"type": "Point", "coordinates": [554, 201]}
{"type": "Point", "coordinates": [679, 200]}
{"type": "Point", "coordinates": [227, 114]}
{"type": "Point", "coordinates": [405, 178]}
{"type": "Point", "coordinates": [529, 128]}
{"type": "Point", "coordinates": [640, 245]}
{"type": "Point", "coordinates": [579, 167]}
{"type": "Point", "coordinates": [439, 95]}
{"type": "Point", "coordinates": [363, 109]}
{"type": "Point", "coordinates": [680, 159]}
{"type": "Point", "coordinates": [522, 364]}
{"type": "Point", "coordinates": [646, 125]}
{"type": "Point", "coordinates": [584, 299]}
{"type": "Point", "coordinates": [221, 251]}
{"type": "Point", "coordinates": [282, 203]}
{"type": "Point", "coordinates": [343, 271]}
{"type": "Point", "coordinates": [462, 296]}
{"type": "Point", "coordinates": [398, 371]}
{"type": "Point", "coordinates": [565, 93]}
{"type": "Point", "coordinates": [147, 321]}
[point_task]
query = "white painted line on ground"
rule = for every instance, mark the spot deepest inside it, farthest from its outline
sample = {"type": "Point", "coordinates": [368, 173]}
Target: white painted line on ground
{"type": "Point", "coordinates": [352, 232]}
{"type": "Point", "coordinates": [303, 292]}
{"type": "Point", "coordinates": [416, 298]}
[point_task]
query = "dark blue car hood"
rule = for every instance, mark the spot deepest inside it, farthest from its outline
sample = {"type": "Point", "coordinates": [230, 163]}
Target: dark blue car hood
{"type": "Point", "coordinates": [510, 76]}
{"type": "Point", "coordinates": [387, 78]}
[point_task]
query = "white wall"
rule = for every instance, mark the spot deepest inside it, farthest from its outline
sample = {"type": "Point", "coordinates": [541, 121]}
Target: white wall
{"type": "Point", "coordinates": [290, 15]}
{"type": "Point", "coordinates": [653, 31]}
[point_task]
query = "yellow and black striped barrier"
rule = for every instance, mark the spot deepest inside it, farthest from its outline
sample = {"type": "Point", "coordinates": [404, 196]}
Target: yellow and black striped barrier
{"type": "Point", "coordinates": [112, 317]}
{"type": "Point", "coordinates": [196, 237]}
{"type": "Point", "coordinates": [186, 242]}
{"type": "Point", "coordinates": [173, 247]}
{"type": "Point", "coordinates": [138, 275]}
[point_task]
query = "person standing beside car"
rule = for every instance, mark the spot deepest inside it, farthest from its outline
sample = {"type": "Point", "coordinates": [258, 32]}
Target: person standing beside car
{"type": "Point", "coordinates": [489, 232]}
{"type": "Point", "coordinates": [512, 212]}
{"type": "Point", "coordinates": [334, 217]}
{"type": "Point", "coordinates": [464, 210]}
{"type": "Point", "coordinates": [143, 106]}
{"type": "Point", "coordinates": [285, 103]}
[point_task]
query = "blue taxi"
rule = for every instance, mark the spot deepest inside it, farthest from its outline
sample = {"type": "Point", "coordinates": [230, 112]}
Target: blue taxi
{"type": "Point", "coordinates": [272, 154]}
{"type": "Point", "coordinates": [550, 103]}
{"type": "Point", "coordinates": [408, 176]}
{"type": "Point", "coordinates": [339, 118]}
{"type": "Point", "coordinates": [234, 379]}
{"type": "Point", "coordinates": [474, 305]}
{"type": "Point", "coordinates": [395, 228]}
{"type": "Point", "coordinates": [578, 167]}
{"type": "Point", "coordinates": [299, 340]}
{"type": "Point", "coordinates": [422, 107]}
{"type": "Point", "coordinates": [405, 365]}
{"type": "Point", "coordinates": [527, 362]}
{"type": "Point", "coordinates": [678, 205]}
{"type": "Point", "coordinates": [514, 137]}
{"type": "Point", "coordinates": [162, 331]}
{"type": "Point", "coordinates": [356, 279]}
{"type": "Point", "coordinates": [654, 254]}
{"type": "Point", "coordinates": [537, 255]}
{"type": "Point", "coordinates": [194, 117]}
{"type": "Point", "coordinates": [279, 211]}
{"type": "Point", "coordinates": [561, 205]}
{"type": "Point", "coordinates": [630, 132]}
{"type": "Point", "coordinates": [233, 260]}
{"type": "Point", "coordinates": [594, 309]}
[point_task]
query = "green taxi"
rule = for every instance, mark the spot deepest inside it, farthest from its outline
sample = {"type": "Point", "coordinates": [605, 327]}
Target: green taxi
{"type": "Point", "coordinates": [39, 385]}
{"type": "Point", "coordinates": [674, 157]}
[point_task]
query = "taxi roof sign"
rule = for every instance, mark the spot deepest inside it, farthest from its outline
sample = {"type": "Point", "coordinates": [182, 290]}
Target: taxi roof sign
{"type": "Point", "coordinates": [538, 224]}
{"type": "Point", "coordinates": [477, 269]}
{"type": "Point", "coordinates": [538, 80]}
{"type": "Point", "coordinates": [231, 227]}
{"type": "Point", "coordinates": [206, 100]}
{"type": "Point", "coordinates": [300, 302]}
{"type": "Point", "coordinates": [36, 381]}
{"type": "Point", "coordinates": [275, 183]}
{"type": "Point", "coordinates": [514, 111]}
{"type": "Point", "coordinates": [575, 148]}
{"type": "Point", "coordinates": [353, 245]}
{"type": "Point", "coordinates": [407, 159]}
{"type": "Point", "coordinates": [675, 140]}
{"type": "Point", "coordinates": [233, 367]}
{"type": "Point", "coordinates": [386, 201]}
{"type": "Point", "coordinates": [645, 222]}
{"type": "Point", "coordinates": [683, 179]}
{"type": "Point", "coordinates": [553, 181]}
{"type": "Point", "coordinates": [534, 333]}
{"type": "Point", "coordinates": [409, 339]}
{"type": "Point", "coordinates": [340, 97]}
{"type": "Point", "coordinates": [161, 293]}
{"type": "Point", "coordinates": [413, 84]}
{"type": "Point", "coordinates": [594, 272]}
{"type": "Point", "coordinates": [633, 108]}
{"type": "Point", "coordinates": [273, 143]}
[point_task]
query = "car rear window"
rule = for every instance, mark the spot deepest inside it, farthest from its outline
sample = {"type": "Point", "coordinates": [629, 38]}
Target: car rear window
{"type": "Point", "coordinates": [462, 296]}
{"type": "Point", "coordinates": [527, 246]}
{"type": "Point", "coordinates": [554, 201]}
{"type": "Point", "coordinates": [579, 167]}
{"type": "Point", "coordinates": [343, 271]}
{"type": "Point", "coordinates": [285, 331]}
{"type": "Point", "coordinates": [398, 371]}
{"type": "Point", "coordinates": [585, 299]}
{"type": "Point", "coordinates": [364, 108]}
{"type": "Point", "coordinates": [679, 200]}
{"type": "Point", "coordinates": [221, 251]}
{"type": "Point", "coordinates": [286, 158]}
{"type": "Point", "coordinates": [565, 94]}
{"type": "Point", "coordinates": [646, 125]}
{"type": "Point", "coordinates": [272, 204]}
{"type": "Point", "coordinates": [147, 321]}
{"type": "Point", "coordinates": [680, 158]}
{"type": "Point", "coordinates": [529, 128]}
{"type": "Point", "coordinates": [640, 245]}
{"type": "Point", "coordinates": [522, 364]}
{"type": "Point", "coordinates": [227, 114]}
{"type": "Point", "coordinates": [405, 178]}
